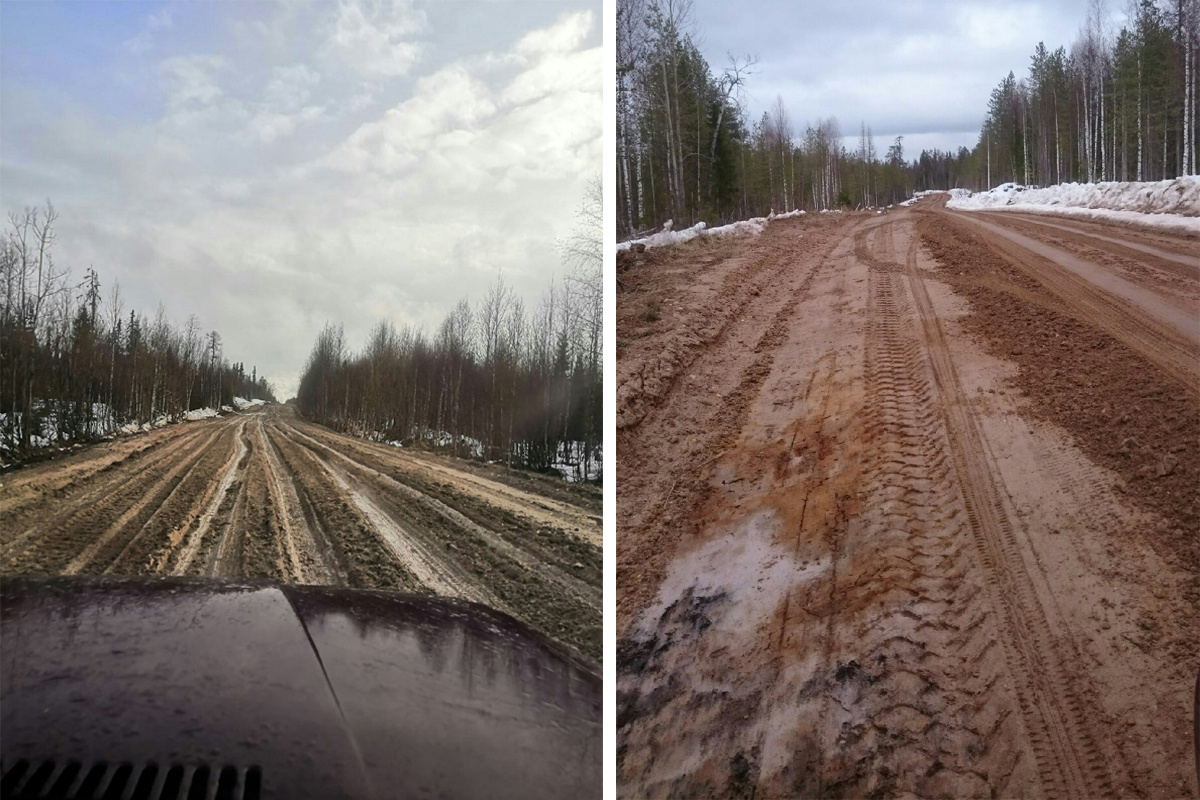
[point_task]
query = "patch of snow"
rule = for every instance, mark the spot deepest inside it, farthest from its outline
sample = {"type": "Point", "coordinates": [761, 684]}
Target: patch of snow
{"type": "Point", "coordinates": [955, 192]}
{"type": "Point", "coordinates": [1171, 204]}
{"type": "Point", "coordinates": [102, 425]}
{"type": "Point", "coordinates": [241, 403]}
{"type": "Point", "coordinates": [568, 462]}
{"type": "Point", "coordinates": [668, 235]}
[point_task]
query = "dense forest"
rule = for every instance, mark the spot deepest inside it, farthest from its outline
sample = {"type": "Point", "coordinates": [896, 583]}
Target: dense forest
{"type": "Point", "coordinates": [1114, 106]}
{"type": "Point", "coordinates": [496, 380]}
{"type": "Point", "coordinates": [74, 364]}
{"type": "Point", "coordinates": [686, 150]}
{"type": "Point", "coordinates": [1118, 105]}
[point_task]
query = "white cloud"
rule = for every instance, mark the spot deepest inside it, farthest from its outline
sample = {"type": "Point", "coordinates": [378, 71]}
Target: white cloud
{"type": "Point", "coordinates": [144, 41]}
{"type": "Point", "coordinates": [375, 38]}
{"type": "Point", "coordinates": [1016, 25]}
{"type": "Point", "coordinates": [290, 87]}
{"type": "Point", "coordinates": [449, 100]}
{"type": "Point", "coordinates": [456, 131]}
{"type": "Point", "coordinates": [917, 69]}
{"type": "Point", "coordinates": [191, 81]}
{"type": "Point", "coordinates": [276, 192]}
{"type": "Point", "coordinates": [564, 36]}
{"type": "Point", "coordinates": [266, 127]}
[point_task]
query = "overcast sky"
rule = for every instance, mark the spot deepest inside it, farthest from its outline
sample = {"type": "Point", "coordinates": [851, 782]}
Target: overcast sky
{"type": "Point", "coordinates": [923, 69]}
{"type": "Point", "coordinates": [270, 167]}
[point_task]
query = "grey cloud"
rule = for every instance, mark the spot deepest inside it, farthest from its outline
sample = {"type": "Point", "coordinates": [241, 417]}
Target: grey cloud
{"type": "Point", "coordinates": [271, 195]}
{"type": "Point", "coordinates": [920, 69]}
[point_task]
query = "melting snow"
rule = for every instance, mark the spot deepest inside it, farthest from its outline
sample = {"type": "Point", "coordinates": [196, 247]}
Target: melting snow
{"type": "Point", "coordinates": [668, 235]}
{"type": "Point", "coordinates": [1172, 204]}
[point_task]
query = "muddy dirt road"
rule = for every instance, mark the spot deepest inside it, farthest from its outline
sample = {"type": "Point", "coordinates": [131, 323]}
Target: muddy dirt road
{"type": "Point", "coordinates": [908, 505]}
{"type": "Point", "coordinates": [268, 495]}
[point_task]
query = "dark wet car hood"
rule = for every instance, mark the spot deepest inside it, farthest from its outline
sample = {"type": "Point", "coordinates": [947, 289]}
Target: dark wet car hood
{"type": "Point", "coordinates": [285, 691]}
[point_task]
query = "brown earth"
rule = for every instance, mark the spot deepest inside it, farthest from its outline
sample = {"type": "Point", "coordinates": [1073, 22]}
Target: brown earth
{"type": "Point", "coordinates": [269, 495]}
{"type": "Point", "coordinates": [908, 505]}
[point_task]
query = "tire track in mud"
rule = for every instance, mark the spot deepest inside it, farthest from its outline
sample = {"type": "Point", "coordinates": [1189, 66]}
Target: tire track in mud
{"type": "Point", "coordinates": [1070, 761]}
{"type": "Point", "coordinates": [327, 561]}
{"type": "Point", "coordinates": [917, 705]}
{"type": "Point", "coordinates": [249, 495]}
{"type": "Point", "coordinates": [568, 520]}
{"type": "Point", "coordinates": [225, 556]}
{"type": "Point", "coordinates": [308, 556]}
{"type": "Point", "coordinates": [354, 543]}
{"type": "Point", "coordinates": [591, 595]}
{"type": "Point", "coordinates": [438, 574]}
{"type": "Point", "coordinates": [713, 689]}
{"type": "Point", "coordinates": [642, 559]}
{"type": "Point", "coordinates": [132, 504]}
{"type": "Point", "coordinates": [60, 478]}
{"type": "Point", "coordinates": [475, 564]}
{"type": "Point", "coordinates": [665, 368]}
{"type": "Point", "coordinates": [193, 540]}
{"type": "Point", "coordinates": [1123, 247]}
{"type": "Point", "coordinates": [151, 545]}
{"type": "Point", "coordinates": [1158, 342]}
{"type": "Point", "coordinates": [74, 501]}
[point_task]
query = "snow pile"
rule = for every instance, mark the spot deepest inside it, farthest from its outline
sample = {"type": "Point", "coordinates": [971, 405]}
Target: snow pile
{"type": "Point", "coordinates": [668, 235]}
{"type": "Point", "coordinates": [440, 439]}
{"type": "Point", "coordinates": [133, 427]}
{"type": "Point", "coordinates": [46, 425]}
{"type": "Point", "coordinates": [1172, 204]}
{"type": "Point", "coordinates": [568, 462]}
{"type": "Point", "coordinates": [954, 193]}
{"type": "Point", "coordinates": [746, 227]}
{"type": "Point", "coordinates": [241, 403]}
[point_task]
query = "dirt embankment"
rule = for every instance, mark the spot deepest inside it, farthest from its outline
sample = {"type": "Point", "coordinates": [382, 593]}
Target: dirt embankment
{"type": "Point", "coordinates": [266, 495]}
{"type": "Point", "coordinates": [869, 543]}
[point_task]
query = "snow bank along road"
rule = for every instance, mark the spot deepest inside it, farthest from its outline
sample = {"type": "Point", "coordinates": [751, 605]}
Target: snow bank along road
{"type": "Point", "coordinates": [907, 505]}
{"type": "Point", "coordinates": [265, 494]}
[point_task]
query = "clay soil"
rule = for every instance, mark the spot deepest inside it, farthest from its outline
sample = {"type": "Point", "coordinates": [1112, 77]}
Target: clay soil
{"type": "Point", "coordinates": [908, 505]}
{"type": "Point", "coordinates": [269, 495]}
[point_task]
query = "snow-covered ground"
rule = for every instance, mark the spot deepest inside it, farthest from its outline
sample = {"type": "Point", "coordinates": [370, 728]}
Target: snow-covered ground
{"type": "Point", "coordinates": [746, 227]}
{"type": "Point", "coordinates": [567, 461]}
{"type": "Point", "coordinates": [102, 425]}
{"type": "Point", "coordinates": [1171, 204]}
{"type": "Point", "coordinates": [241, 403]}
{"type": "Point", "coordinates": [954, 193]}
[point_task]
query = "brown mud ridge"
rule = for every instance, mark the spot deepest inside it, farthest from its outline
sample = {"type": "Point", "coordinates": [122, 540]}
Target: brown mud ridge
{"type": "Point", "coordinates": [909, 509]}
{"type": "Point", "coordinates": [268, 495]}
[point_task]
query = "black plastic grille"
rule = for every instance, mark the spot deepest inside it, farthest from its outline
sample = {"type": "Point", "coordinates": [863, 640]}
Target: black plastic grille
{"type": "Point", "coordinates": [71, 780]}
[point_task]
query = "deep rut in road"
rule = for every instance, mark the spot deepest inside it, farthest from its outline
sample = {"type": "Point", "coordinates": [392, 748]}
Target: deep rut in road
{"type": "Point", "coordinates": [253, 495]}
{"type": "Point", "coordinates": [894, 577]}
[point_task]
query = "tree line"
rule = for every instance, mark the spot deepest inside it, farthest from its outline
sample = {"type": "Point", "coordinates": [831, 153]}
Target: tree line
{"type": "Point", "coordinates": [496, 380]}
{"type": "Point", "coordinates": [687, 151]}
{"type": "Point", "coordinates": [73, 358]}
{"type": "Point", "coordinates": [1113, 106]}
{"type": "Point", "coordinates": [1117, 105]}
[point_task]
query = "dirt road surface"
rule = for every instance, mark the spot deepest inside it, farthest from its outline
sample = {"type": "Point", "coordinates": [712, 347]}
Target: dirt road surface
{"type": "Point", "coordinates": [908, 504]}
{"type": "Point", "coordinates": [269, 495]}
